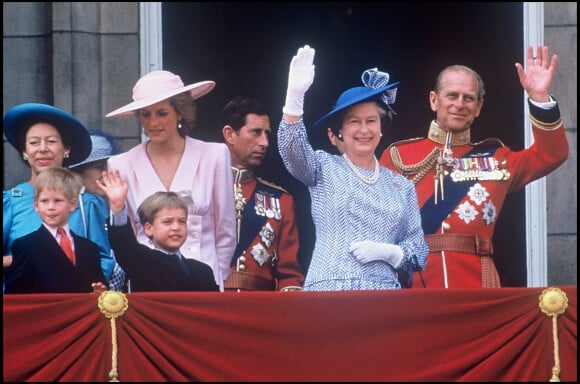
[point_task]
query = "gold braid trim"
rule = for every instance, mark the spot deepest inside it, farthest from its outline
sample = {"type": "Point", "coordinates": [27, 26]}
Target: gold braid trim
{"type": "Point", "coordinates": [113, 304]}
{"type": "Point", "coordinates": [553, 302]}
{"type": "Point", "coordinates": [270, 184]}
{"type": "Point", "coordinates": [419, 169]}
{"type": "Point", "coordinates": [545, 125]}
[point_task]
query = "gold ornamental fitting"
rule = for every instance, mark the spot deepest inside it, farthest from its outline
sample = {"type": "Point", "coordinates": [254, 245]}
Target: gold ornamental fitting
{"type": "Point", "coordinates": [553, 301]}
{"type": "Point", "coordinates": [113, 304]}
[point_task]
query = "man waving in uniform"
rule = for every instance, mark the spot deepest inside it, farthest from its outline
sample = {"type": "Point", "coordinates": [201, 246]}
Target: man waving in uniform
{"type": "Point", "coordinates": [461, 186]}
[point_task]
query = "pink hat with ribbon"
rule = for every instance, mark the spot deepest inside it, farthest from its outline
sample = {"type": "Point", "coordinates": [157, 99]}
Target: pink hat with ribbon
{"type": "Point", "coordinates": [157, 86]}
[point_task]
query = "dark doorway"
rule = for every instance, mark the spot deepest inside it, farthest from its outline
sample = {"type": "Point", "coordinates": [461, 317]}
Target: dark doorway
{"type": "Point", "coordinates": [246, 48]}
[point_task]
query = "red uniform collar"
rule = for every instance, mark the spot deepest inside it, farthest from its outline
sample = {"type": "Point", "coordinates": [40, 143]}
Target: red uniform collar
{"type": "Point", "coordinates": [437, 135]}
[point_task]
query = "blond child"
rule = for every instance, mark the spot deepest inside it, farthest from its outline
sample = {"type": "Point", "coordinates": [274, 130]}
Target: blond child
{"type": "Point", "coordinates": [53, 259]}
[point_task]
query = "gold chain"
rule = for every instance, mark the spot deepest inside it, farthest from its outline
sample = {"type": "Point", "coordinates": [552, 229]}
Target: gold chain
{"type": "Point", "coordinates": [240, 204]}
{"type": "Point", "coordinates": [419, 169]}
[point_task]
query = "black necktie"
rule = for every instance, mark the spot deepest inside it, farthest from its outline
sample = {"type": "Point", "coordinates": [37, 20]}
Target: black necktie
{"type": "Point", "coordinates": [181, 262]}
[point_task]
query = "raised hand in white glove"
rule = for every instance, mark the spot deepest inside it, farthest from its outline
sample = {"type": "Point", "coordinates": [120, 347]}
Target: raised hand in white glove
{"type": "Point", "coordinates": [300, 78]}
{"type": "Point", "coordinates": [367, 250]}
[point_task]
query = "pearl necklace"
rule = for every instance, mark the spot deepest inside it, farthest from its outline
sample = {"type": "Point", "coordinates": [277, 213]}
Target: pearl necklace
{"type": "Point", "coordinates": [369, 180]}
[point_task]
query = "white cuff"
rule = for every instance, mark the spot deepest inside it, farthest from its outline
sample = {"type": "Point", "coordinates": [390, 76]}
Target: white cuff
{"type": "Point", "coordinates": [545, 105]}
{"type": "Point", "coordinates": [396, 256]}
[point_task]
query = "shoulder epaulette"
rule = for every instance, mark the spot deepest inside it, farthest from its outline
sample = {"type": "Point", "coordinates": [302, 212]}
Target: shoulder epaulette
{"type": "Point", "coordinates": [492, 141]}
{"type": "Point", "coordinates": [406, 141]}
{"type": "Point", "coordinates": [269, 184]}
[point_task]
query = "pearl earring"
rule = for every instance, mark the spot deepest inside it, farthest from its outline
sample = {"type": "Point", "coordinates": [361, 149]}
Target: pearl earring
{"type": "Point", "coordinates": [179, 125]}
{"type": "Point", "coordinates": [340, 136]}
{"type": "Point", "coordinates": [66, 155]}
{"type": "Point", "coordinates": [25, 157]}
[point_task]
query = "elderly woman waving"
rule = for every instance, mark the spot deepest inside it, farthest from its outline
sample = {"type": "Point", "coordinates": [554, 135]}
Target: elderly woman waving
{"type": "Point", "coordinates": [368, 227]}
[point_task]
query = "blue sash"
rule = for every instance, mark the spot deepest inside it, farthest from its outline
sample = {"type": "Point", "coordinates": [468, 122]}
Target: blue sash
{"type": "Point", "coordinates": [252, 222]}
{"type": "Point", "coordinates": [433, 215]}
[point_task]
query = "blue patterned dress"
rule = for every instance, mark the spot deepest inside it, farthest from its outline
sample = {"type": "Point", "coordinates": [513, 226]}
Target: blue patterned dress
{"type": "Point", "coordinates": [346, 209]}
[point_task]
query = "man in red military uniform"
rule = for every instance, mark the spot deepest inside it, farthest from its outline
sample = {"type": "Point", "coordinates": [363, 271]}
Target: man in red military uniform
{"type": "Point", "coordinates": [266, 257]}
{"type": "Point", "coordinates": [461, 186]}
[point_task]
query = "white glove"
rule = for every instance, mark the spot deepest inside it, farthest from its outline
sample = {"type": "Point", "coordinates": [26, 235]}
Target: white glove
{"type": "Point", "coordinates": [367, 250]}
{"type": "Point", "coordinates": [300, 78]}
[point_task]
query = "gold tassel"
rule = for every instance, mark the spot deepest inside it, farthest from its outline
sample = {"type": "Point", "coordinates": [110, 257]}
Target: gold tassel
{"type": "Point", "coordinates": [113, 304]}
{"type": "Point", "coordinates": [440, 167]}
{"type": "Point", "coordinates": [553, 302]}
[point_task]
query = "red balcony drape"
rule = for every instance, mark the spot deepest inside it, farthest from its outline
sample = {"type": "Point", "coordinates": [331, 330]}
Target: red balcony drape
{"type": "Point", "coordinates": [408, 335]}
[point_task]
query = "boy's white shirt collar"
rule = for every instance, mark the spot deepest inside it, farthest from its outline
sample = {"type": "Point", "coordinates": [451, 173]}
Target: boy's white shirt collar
{"type": "Point", "coordinates": [53, 230]}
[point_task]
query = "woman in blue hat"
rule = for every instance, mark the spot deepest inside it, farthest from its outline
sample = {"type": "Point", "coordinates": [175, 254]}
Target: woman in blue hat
{"type": "Point", "coordinates": [46, 137]}
{"type": "Point", "coordinates": [368, 226]}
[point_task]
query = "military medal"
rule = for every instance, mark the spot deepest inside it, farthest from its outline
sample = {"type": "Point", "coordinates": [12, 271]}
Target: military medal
{"type": "Point", "coordinates": [277, 213]}
{"type": "Point", "coordinates": [272, 209]}
{"type": "Point", "coordinates": [479, 167]}
{"type": "Point", "coordinates": [259, 204]}
{"type": "Point", "coordinates": [268, 206]}
{"type": "Point", "coordinates": [489, 213]}
{"type": "Point", "coordinates": [478, 194]}
{"type": "Point", "coordinates": [260, 254]}
{"type": "Point", "coordinates": [267, 234]}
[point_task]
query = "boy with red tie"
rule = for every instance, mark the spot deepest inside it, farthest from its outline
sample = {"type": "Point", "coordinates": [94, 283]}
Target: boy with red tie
{"type": "Point", "coordinates": [53, 259]}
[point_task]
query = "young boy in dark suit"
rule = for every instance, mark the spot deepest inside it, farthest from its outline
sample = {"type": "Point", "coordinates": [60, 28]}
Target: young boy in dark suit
{"type": "Point", "coordinates": [53, 259]}
{"type": "Point", "coordinates": [160, 267]}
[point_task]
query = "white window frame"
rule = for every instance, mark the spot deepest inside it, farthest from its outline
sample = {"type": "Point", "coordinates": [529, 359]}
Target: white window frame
{"type": "Point", "coordinates": [536, 220]}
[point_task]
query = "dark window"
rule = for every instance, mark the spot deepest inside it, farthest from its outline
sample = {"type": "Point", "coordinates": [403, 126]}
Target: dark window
{"type": "Point", "coordinates": [246, 48]}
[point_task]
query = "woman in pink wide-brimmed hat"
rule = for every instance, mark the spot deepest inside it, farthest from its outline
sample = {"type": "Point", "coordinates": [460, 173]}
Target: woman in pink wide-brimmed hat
{"type": "Point", "coordinates": [172, 161]}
